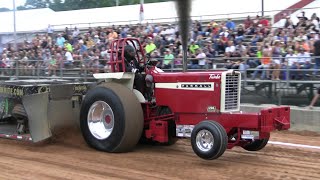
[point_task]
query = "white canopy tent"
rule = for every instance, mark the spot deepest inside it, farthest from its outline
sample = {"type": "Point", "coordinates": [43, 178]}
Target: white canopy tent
{"type": "Point", "coordinates": [38, 19]}
{"type": "Point", "coordinates": [26, 21]}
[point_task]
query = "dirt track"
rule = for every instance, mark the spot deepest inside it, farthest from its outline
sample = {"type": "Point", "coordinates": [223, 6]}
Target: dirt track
{"type": "Point", "coordinates": [70, 158]}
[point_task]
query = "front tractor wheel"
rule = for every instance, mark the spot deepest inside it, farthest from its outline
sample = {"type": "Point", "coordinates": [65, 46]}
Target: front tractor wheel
{"type": "Point", "coordinates": [209, 140]}
{"type": "Point", "coordinates": [256, 145]}
{"type": "Point", "coordinates": [111, 118]}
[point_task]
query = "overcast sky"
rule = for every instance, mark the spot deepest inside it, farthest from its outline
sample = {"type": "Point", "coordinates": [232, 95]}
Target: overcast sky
{"type": "Point", "coordinates": [9, 3]}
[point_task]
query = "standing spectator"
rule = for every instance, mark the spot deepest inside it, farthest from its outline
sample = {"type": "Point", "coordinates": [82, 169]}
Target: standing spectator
{"type": "Point", "coordinates": [50, 31]}
{"type": "Point", "coordinates": [76, 32]}
{"type": "Point", "coordinates": [315, 99]}
{"type": "Point", "coordinates": [248, 23]}
{"type": "Point", "coordinates": [265, 64]}
{"type": "Point", "coordinates": [264, 21]}
{"type": "Point", "coordinates": [317, 54]}
{"type": "Point", "coordinates": [230, 25]}
{"type": "Point", "coordinates": [276, 60]}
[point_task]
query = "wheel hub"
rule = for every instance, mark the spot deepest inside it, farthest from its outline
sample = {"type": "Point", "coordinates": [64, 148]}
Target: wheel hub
{"type": "Point", "coordinates": [204, 140]}
{"type": "Point", "coordinates": [100, 120]}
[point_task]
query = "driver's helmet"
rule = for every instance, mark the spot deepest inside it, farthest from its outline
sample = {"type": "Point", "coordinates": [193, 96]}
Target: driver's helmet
{"type": "Point", "coordinates": [129, 52]}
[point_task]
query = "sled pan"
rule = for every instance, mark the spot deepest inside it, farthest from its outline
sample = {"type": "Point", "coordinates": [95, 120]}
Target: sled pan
{"type": "Point", "coordinates": [46, 110]}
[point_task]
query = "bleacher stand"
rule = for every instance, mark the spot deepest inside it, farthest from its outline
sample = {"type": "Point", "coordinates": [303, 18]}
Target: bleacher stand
{"type": "Point", "coordinates": [250, 44]}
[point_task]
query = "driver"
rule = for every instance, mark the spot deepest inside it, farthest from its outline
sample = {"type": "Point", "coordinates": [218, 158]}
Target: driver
{"type": "Point", "coordinates": [132, 65]}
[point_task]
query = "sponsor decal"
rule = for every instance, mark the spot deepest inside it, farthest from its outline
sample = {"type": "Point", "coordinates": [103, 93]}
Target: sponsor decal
{"type": "Point", "coordinates": [196, 85]}
{"type": "Point", "coordinates": [14, 91]}
{"type": "Point", "coordinates": [184, 130]}
{"type": "Point", "coordinates": [211, 109]}
{"type": "Point", "coordinates": [214, 76]}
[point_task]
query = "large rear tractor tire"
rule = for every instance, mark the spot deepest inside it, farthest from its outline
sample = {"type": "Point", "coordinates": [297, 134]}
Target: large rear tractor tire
{"type": "Point", "coordinates": [111, 118]}
{"type": "Point", "coordinates": [209, 140]}
{"type": "Point", "coordinates": [256, 145]}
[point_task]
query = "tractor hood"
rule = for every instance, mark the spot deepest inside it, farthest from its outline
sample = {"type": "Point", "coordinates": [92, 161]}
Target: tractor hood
{"type": "Point", "coordinates": [199, 92]}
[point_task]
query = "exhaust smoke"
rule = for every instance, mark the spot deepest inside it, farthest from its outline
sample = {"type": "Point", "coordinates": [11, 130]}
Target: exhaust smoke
{"type": "Point", "coordinates": [183, 10]}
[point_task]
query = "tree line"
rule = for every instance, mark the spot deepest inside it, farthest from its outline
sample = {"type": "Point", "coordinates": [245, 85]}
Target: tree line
{"type": "Point", "coordinates": [66, 5]}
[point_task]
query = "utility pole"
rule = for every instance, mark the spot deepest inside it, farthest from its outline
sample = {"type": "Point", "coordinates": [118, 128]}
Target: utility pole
{"type": "Point", "coordinates": [262, 7]}
{"type": "Point", "coordinates": [14, 25]}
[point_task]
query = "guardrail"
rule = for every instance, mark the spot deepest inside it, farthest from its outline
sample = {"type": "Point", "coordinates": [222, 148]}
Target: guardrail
{"type": "Point", "coordinates": [18, 68]}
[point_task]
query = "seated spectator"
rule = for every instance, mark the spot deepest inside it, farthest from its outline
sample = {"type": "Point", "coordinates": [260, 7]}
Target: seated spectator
{"type": "Point", "coordinates": [53, 65]}
{"type": "Point", "coordinates": [201, 57]}
{"type": "Point", "coordinates": [304, 61]}
{"type": "Point", "coordinates": [60, 40]}
{"type": "Point", "coordinates": [240, 33]}
{"type": "Point", "coordinates": [168, 60]}
{"type": "Point", "coordinates": [291, 62]}
{"type": "Point", "coordinates": [230, 49]}
{"type": "Point", "coordinates": [150, 47]}
{"type": "Point", "coordinates": [193, 47]}
{"type": "Point", "coordinates": [178, 62]}
{"type": "Point", "coordinates": [68, 58]}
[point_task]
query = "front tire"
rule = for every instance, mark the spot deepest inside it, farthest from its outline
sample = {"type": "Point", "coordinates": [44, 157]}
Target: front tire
{"type": "Point", "coordinates": [111, 118]}
{"type": "Point", "coordinates": [209, 140]}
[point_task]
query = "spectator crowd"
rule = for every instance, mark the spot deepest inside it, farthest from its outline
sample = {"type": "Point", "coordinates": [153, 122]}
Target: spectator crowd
{"type": "Point", "coordinates": [253, 43]}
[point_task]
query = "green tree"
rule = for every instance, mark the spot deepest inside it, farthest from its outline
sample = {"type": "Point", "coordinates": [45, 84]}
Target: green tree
{"type": "Point", "coordinates": [19, 8]}
{"type": "Point", "coordinates": [36, 4]}
{"type": "Point", "coordinates": [4, 9]}
{"type": "Point", "coordinates": [56, 5]}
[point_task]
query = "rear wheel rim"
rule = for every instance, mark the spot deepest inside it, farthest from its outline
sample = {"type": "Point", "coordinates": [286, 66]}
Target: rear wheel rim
{"type": "Point", "coordinates": [100, 120]}
{"type": "Point", "coordinates": [204, 140]}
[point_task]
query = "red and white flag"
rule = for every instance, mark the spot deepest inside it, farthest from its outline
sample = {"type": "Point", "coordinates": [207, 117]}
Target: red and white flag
{"type": "Point", "coordinates": [141, 13]}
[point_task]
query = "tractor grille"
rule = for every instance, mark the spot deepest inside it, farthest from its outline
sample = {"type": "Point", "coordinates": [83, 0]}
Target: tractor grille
{"type": "Point", "coordinates": [232, 92]}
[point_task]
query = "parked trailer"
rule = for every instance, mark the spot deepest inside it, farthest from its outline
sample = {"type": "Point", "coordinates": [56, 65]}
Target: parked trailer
{"type": "Point", "coordinates": [140, 105]}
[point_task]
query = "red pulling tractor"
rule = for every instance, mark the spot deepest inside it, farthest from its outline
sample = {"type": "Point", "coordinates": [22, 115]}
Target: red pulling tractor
{"type": "Point", "coordinates": [148, 105]}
